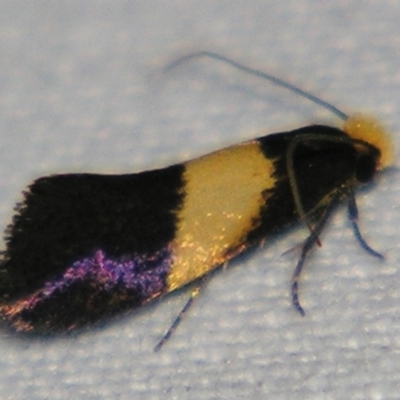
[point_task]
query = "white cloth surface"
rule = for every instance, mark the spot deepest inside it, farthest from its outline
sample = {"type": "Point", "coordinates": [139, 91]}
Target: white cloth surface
{"type": "Point", "coordinates": [81, 91]}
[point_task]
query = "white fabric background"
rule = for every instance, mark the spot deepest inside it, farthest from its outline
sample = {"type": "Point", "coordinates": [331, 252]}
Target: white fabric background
{"type": "Point", "coordinates": [79, 91]}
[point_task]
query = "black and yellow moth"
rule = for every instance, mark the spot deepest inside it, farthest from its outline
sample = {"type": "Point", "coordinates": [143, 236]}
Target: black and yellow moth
{"type": "Point", "coordinates": [82, 247]}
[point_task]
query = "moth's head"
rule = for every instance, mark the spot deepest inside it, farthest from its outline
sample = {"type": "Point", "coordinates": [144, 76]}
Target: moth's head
{"type": "Point", "coordinates": [378, 143]}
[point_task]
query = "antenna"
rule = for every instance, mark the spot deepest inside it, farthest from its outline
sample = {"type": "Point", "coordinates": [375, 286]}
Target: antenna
{"type": "Point", "coordinates": [260, 74]}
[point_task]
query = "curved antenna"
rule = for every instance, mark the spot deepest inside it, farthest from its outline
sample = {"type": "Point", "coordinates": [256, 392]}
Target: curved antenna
{"type": "Point", "coordinates": [262, 75]}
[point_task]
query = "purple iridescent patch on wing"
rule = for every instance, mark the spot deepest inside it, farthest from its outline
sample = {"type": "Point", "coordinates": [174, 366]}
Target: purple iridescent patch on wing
{"type": "Point", "coordinates": [145, 275]}
{"type": "Point", "coordinates": [90, 289]}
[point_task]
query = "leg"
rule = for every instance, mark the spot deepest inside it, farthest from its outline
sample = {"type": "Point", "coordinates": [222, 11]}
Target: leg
{"type": "Point", "coordinates": [352, 213]}
{"type": "Point", "coordinates": [307, 246]}
{"type": "Point", "coordinates": [195, 292]}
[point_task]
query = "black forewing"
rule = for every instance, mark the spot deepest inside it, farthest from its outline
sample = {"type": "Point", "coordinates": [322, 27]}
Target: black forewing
{"type": "Point", "coordinates": [67, 217]}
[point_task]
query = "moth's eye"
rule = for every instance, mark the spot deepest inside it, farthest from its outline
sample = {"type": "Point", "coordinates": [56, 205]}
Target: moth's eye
{"type": "Point", "coordinates": [365, 168]}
